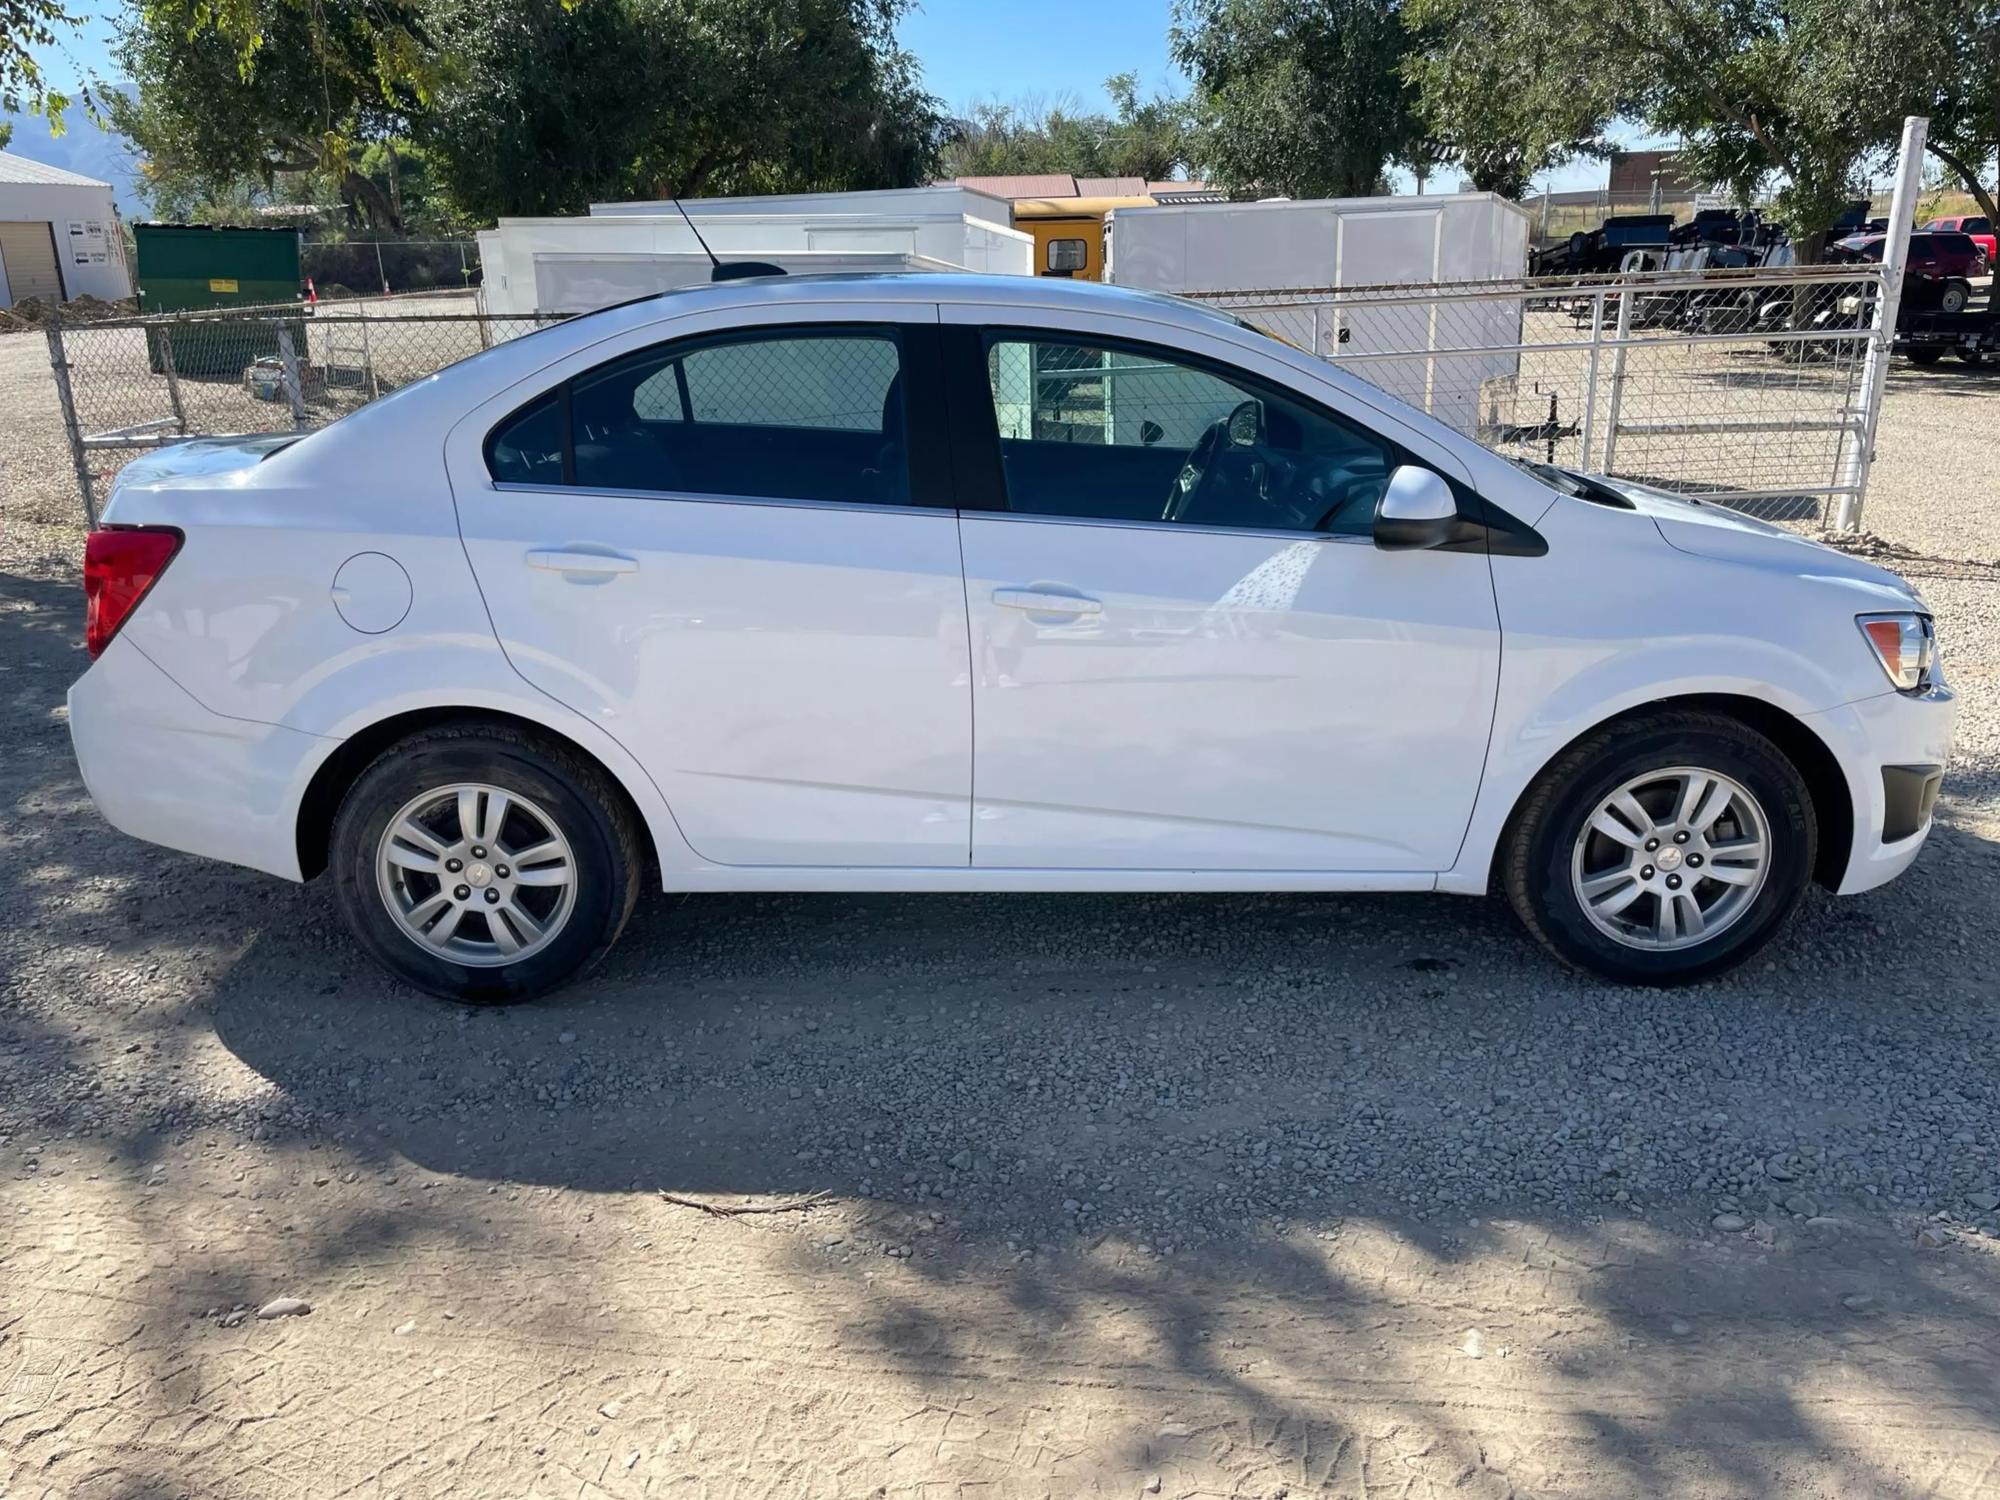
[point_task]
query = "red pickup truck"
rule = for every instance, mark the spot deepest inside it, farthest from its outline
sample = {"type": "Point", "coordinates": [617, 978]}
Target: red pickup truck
{"type": "Point", "coordinates": [1978, 226]}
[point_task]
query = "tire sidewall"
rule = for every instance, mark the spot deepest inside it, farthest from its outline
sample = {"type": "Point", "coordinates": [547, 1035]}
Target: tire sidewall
{"type": "Point", "coordinates": [1748, 759]}
{"type": "Point", "coordinates": [392, 782]}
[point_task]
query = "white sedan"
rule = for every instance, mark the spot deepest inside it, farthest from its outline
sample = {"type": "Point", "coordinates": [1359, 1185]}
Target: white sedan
{"type": "Point", "coordinates": [942, 583]}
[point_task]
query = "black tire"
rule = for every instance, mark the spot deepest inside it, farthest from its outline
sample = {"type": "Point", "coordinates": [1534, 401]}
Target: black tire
{"type": "Point", "coordinates": [583, 805]}
{"type": "Point", "coordinates": [1955, 295]}
{"type": "Point", "coordinates": [1537, 849]}
{"type": "Point", "coordinates": [1926, 354]}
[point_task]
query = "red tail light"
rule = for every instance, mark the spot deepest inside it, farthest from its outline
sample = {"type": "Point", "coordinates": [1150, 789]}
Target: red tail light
{"type": "Point", "coordinates": [120, 564]}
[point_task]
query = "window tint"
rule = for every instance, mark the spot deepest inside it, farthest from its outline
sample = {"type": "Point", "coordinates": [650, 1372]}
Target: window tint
{"type": "Point", "coordinates": [805, 416]}
{"type": "Point", "coordinates": [1976, 226]}
{"type": "Point", "coordinates": [1125, 433]}
{"type": "Point", "coordinates": [1920, 244]}
{"type": "Point", "coordinates": [528, 447]}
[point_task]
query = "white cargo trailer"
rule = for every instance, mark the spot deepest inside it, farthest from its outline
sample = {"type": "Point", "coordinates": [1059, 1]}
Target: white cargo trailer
{"type": "Point", "coordinates": [570, 265]}
{"type": "Point", "coordinates": [1298, 251]}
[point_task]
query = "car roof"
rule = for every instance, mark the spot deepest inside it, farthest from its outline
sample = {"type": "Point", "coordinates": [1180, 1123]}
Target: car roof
{"type": "Point", "coordinates": [968, 288]}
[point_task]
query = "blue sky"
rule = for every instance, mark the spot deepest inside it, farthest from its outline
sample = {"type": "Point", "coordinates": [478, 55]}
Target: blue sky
{"type": "Point", "coordinates": [970, 50]}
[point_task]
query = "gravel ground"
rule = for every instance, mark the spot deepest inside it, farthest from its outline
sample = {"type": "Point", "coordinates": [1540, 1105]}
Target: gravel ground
{"type": "Point", "coordinates": [1239, 1195]}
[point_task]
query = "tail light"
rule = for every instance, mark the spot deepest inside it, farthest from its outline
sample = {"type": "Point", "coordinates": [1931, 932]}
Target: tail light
{"type": "Point", "coordinates": [120, 563]}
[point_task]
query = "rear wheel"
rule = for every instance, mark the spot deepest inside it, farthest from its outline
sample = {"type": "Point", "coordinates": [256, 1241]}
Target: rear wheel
{"type": "Point", "coordinates": [482, 865]}
{"type": "Point", "coordinates": [1926, 354]}
{"type": "Point", "coordinates": [1662, 850]}
{"type": "Point", "coordinates": [1955, 296]}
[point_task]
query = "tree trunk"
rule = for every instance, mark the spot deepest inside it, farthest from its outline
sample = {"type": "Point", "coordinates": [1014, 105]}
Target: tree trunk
{"type": "Point", "coordinates": [1980, 194]}
{"type": "Point", "coordinates": [366, 191]}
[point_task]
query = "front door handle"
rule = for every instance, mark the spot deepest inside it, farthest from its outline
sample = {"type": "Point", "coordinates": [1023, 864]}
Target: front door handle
{"type": "Point", "coordinates": [1046, 602]}
{"type": "Point", "coordinates": [572, 560]}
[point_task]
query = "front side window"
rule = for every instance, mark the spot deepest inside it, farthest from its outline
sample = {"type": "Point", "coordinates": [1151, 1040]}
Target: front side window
{"type": "Point", "coordinates": [788, 416]}
{"type": "Point", "coordinates": [1126, 433]}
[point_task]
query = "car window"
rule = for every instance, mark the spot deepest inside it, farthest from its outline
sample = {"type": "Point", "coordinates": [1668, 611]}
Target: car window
{"type": "Point", "coordinates": [784, 415]}
{"type": "Point", "coordinates": [1922, 244]}
{"type": "Point", "coordinates": [1127, 433]}
{"type": "Point", "coordinates": [528, 447]}
{"type": "Point", "coordinates": [1976, 226]}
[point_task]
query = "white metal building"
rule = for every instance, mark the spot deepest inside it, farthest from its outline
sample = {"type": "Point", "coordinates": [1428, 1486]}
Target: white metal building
{"type": "Point", "coordinates": [59, 235]}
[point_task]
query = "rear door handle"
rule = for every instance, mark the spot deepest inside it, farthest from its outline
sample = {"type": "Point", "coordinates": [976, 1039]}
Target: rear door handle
{"type": "Point", "coordinates": [1046, 602]}
{"type": "Point", "coordinates": [569, 560]}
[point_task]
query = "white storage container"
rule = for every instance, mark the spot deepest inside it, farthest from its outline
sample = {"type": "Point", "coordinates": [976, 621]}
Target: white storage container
{"type": "Point", "coordinates": [620, 251]}
{"type": "Point", "coordinates": [1299, 247]}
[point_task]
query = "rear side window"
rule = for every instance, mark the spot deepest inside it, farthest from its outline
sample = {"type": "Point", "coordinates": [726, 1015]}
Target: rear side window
{"type": "Point", "coordinates": [1976, 226]}
{"type": "Point", "coordinates": [528, 447]}
{"type": "Point", "coordinates": [1920, 244]}
{"type": "Point", "coordinates": [785, 415]}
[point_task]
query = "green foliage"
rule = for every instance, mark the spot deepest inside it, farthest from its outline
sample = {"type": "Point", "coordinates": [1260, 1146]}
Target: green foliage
{"type": "Point", "coordinates": [25, 26]}
{"type": "Point", "coordinates": [1304, 97]}
{"type": "Point", "coordinates": [547, 108]}
{"type": "Point", "coordinates": [232, 97]}
{"type": "Point", "coordinates": [1141, 137]}
{"type": "Point", "coordinates": [1940, 59]}
{"type": "Point", "coordinates": [1504, 88]}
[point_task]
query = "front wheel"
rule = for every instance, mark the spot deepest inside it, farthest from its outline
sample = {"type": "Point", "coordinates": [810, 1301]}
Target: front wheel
{"type": "Point", "coordinates": [1662, 850]}
{"type": "Point", "coordinates": [483, 865]}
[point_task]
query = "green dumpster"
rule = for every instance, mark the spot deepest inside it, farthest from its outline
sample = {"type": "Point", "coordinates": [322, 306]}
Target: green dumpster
{"type": "Point", "coordinates": [196, 267]}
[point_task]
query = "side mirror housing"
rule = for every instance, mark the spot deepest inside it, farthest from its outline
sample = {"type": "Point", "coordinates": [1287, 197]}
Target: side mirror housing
{"type": "Point", "coordinates": [1417, 510]}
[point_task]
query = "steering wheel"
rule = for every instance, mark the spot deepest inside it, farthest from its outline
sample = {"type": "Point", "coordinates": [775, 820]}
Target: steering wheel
{"type": "Point", "coordinates": [1230, 451]}
{"type": "Point", "coordinates": [1188, 482]}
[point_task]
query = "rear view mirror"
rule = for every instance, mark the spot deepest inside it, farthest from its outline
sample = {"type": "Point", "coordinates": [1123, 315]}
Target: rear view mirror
{"type": "Point", "coordinates": [1150, 432]}
{"type": "Point", "coordinates": [1417, 510]}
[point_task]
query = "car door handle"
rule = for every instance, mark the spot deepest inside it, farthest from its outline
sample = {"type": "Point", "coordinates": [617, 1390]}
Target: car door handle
{"type": "Point", "coordinates": [568, 560]}
{"type": "Point", "coordinates": [1046, 602]}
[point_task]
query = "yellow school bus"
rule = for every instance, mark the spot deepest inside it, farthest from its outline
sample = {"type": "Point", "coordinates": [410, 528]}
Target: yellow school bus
{"type": "Point", "coordinates": [1069, 233]}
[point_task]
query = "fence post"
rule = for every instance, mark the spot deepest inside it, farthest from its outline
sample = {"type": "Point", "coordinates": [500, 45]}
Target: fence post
{"type": "Point", "coordinates": [1589, 433]}
{"type": "Point", "coordinates": [1620, 338]}
{"type": "Point", "coordinates": [379, 271]}
{"type": "Point", "coordinates": [288, 357]}
{"type": "Point", "coordinates": [173, 378]}
{"type": "Point", "coordinates": [78, 456]}
{"type": "Point", "coordinates": [368, 358]}
{"type": "Point", "coordinates": [1888, 302]}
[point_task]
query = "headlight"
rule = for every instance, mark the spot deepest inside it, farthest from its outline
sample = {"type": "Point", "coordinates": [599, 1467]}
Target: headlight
{"type": "Point", "coordinates": [1905, 644]}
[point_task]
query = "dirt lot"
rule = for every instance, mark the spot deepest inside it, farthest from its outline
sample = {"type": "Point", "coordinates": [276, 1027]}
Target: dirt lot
{"type": "Point", "coordinates": [1073, 1196]}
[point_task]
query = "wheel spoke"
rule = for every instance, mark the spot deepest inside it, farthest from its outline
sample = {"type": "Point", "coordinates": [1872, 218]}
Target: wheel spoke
{"type": "Point", "coordinates": [1633, 812]}
{"type": "Point", "coordinates": [1712, 807]}
{"type": "Point", "coordinates": [413, 859]}
{"type": "Point", "coordinates": [1619, 899]}
{"type": "Point", "coordinates": [495, 817]}
{"type": "Point", "coordinates": [1665, 927]}
{"type": "Point", "coordinates": [1693, 787]}
{"type": "Point", "coordinates": [509, 919]}
{"type": "Point", "coordinates": [551, 874]}
{"type": "Point", "coordinates": [1616, 831]}
{"type": "Point", "coordinates": [1731, 874]}
{"type": "Point", "coordinates": [424, 910]}
{"type": "Point", "coordinates": [468, 814]}
{"type": "Point", "coordinates": [413, 833]}
{"type": "Point", "coordinates": [446, 925]}
{"type": "Point", "coordinates": [1692, 921]}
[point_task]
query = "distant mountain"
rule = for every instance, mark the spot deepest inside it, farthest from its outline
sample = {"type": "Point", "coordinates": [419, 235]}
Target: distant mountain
{"type": "Point", "coordinates": [83, 147]}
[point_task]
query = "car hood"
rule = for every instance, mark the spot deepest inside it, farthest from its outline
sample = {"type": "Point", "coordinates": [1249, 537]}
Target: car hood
{"type": "Point", "coordinates": [1705, 529]}
{"type": "Point", "coordinates": [205, 457]}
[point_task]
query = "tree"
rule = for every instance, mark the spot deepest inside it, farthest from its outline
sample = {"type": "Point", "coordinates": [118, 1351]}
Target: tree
{"type": "Point", "coordinates": [256, 89]}
{"type": "Point", "coordinates": [547, 108]}
{"type": "Point", "coordinates": [1304, 97]}
{"type": "Point", "coordinates": [1140, 138]}
{"type": "Point", "coordinates": [1940, 59]}
{"type": "Point", "coordinates": [26, 25]}
{"type": "Point", "coordinates": [1766, 95]}
{"type": "Point", "coordinates": [1504, 89]}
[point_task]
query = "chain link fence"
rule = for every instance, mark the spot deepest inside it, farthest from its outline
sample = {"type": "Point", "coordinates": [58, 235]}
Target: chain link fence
{"type": "Point", "coordinates": [1743, 387]}
{"type": "Point", "coordinates": [128, 384]}
{"type": "Point", "coordinates": [367, 268]}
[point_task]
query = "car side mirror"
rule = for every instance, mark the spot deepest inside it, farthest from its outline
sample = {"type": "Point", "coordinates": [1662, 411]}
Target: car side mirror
{"type": "Point", "coordinates": [1246, 424]}
{"type": "Point", "coordinates": [1150, 432]}
{"type": "Point", "coordinates": [1417, 510]}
